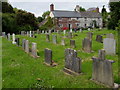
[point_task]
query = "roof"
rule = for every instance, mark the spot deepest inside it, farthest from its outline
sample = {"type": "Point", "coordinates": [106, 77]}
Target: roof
{"type": "Point", "coordinates": [91, 9]}
{"type": "Point", "coordinates": [61, 13]}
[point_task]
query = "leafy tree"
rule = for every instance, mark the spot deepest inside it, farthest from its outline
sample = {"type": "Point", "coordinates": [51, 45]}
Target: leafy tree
{"type": "Point", "coordinates": [82, 9]}
{"type": "Point", "coordinates": [39, 19]}
{"type": "Point", "coordinates": [45, 14]}
{"type": "Point", "coordinates": [7, 8]}
{"type": "Point", "coordinates": [114, 15]}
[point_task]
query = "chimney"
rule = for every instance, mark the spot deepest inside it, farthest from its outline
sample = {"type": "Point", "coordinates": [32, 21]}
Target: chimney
{"type": "Point", "coordinates": [77, 8]}
{"type": "Point", "coordinates": [97, 10]}
{"type": "Point", "coordinates": [52, 7]}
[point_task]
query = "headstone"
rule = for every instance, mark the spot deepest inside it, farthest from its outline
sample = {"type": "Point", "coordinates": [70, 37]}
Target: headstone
{"type": "Point", "coordinates": [64, 31]}
{"type": "Point", "coordinates": [99, 38]}
{"type": "Point", "coordinates": [27, 33]}
{"type": "Point", "coordinates": [23, 44]}
{"type": "Point", "coordinates": [47, 37]}
{"type": "Point", "coordinates": [34, 50]}
{"type": "Point", "coordinates": [49, 31]}
{"type": "Point", "coordinates": [88, 29]}
{"type": "Point", "coordinates": [3, 34]}
{"type": "Point", "coordinates": [22, 32]}
{"type": "Point", "coordinates": [80, 30]}
{"type": "Point", "coordinates": [8, 36]}
{"type": "Point", "coordinates": [89, 35]}
{"type": "Point", "coordinates": [26, 46]}
{"type": "Point", "coordinates": [37, 31]}
{"type": "Point", "coordinates": [42, 31]}
{"type": "Point", "coordinates": [48, 56]}
{"type": "Point", "coordinates": [71, 30]}
{"type": "Point", "coordinates": [72, 62]}
{"type": "Point", "coordinates": [30, 34]}
{"type": "Point", "coordinates": [70, 35]}
{"type": "Point", "coordinates": [63, 42]}
{"type": "Point", "coordinates": [54, 38]}
{"type": "Point", "coordinates": [17, 40]}
{"type": "Point", "coordinates": [110, 36]}
{"type": "Point", "coordinates": [87, 45]}
{"type": "Point", "coordinates": [109, 45]}
{"type": "Point", "coordinates": [102, 70]}
{"type": "Point", "coordinates": [72, 43]}
{"type": "Point", "coordinates": [13, 39]}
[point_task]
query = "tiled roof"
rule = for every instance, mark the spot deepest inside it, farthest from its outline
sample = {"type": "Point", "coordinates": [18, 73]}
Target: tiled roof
{"type": "Point", "coordinates": [60, 13]}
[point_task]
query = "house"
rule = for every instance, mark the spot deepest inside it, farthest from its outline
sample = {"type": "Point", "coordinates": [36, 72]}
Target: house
{"type": "Point", "coordinates": [75, 19]}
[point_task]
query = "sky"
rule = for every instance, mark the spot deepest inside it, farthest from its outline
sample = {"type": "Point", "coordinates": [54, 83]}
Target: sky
{"type": "Point", "coordinates": [37, 7]}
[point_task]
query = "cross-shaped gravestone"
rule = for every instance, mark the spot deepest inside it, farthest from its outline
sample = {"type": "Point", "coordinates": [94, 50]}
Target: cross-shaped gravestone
{"type": "Point", "coordinates": [102, 70]}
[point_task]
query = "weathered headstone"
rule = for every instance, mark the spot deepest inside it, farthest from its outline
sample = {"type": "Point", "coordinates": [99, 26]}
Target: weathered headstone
{"type": "Point", "coordinates": [3, 34]}
{"type": "Point", "coordinates": [8, 36]}
{"type": "Point", "coordinates": [23, 44]}
{"type": "Point", "coordinates": [89, 35]}
{"type": "Point", "coordinates": [72, 62]}
{"type": "Point", "coordinates": [13, 39]}
{"type": "Point", "coordinates": [99, 38]}
{"type": "Point", "coordinates": [17, 40]}
{"type": "Point", "coordinates": [64, 31]}
{"type": "Point", "coordinates": [49, 31]}
{"type": "Point", "coordinates": [27, 33]}
{"type": "Point", "coordinates": [88, 29]}
{"type": "Point", "coordinates": [38, 31]}
{"type": "Point", "coordinates": [26, 46]}
{"type": "Point", "coordinates": [42, 31]}
{"type": "Point", "coordinates": [80, 30]}
{"type": "Point", "coordinates": [47, 37]}
{"type": "Point", "coordinates": [71, 30]}
{"type": "Point", "coordinates": [110, 36]}
{"type": "Point", "coordinates": [70, 35]}
{"type": "Point", "coordinates": [30, 34]}
{"type": "Point", "coordinates": [48, 56]}
{"type": "Point", "coordinates": [63, 42]}
{"type": "Point", "coordinates": [109, 45]}
{"type": "Point", "coordinates": [72, 43]}
{"type": "Point", "coordinates": [22, 32]}
{"type": "Point", "coordinates": [87, 45]}
{"type": "Point", "coordinates": [34, 50]}
{"type": "Point", "coordinates": [102, 70]}
{"type": "Point", "coordinates": [54, 38]}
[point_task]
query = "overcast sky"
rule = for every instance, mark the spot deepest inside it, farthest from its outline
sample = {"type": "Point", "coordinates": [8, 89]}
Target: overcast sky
{"type": "Point", "coordinates": [37, 7]}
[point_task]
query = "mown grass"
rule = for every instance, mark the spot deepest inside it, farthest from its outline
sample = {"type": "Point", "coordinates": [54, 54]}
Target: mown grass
{"type": "Point", "coordinates": [19, 70]}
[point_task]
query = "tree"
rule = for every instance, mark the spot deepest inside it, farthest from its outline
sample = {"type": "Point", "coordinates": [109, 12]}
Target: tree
{"type": "Point", "coordinates": [45, 14]}
{"type": "Point", "coordinates": [114, 15]}
{"type": "Point", "coordinates": [39, 19]}
{"type": "Point", "coordinates": [82, 9]}
{"type": "Point", "coordinates": [104, 16]}
{"type": "Point", "coordinates": [7, 8]}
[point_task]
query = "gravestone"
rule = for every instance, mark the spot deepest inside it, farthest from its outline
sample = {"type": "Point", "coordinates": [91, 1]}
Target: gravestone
{"type": "Point", "coordinates": [72, 62]}
{"type": "Point", "coordinates": [34, 50]}
{"type": "Point", "coordinates": [26, 46]}
{"type": "Point", "coordinates": [38, 31]}
{"type": "Point", "coordinates": [3, 34]}
{"type": "Point", "coordinates": [23, 44]}
{"type": "Point", "coordinates": [49, 31]}
{"type": "Point", "coordinates": [63, 42]}
{"type": "Point", "coordinates": [70, 35]}
{"type": "Point", "coordinates": [99, 38]}
{"type": "Point", "coordinates": [102, 70]}
{"type": "Point", "coordinates": [109, 45]}
{"type": "Point", "coordinates": [42, 31]}
{"type": "Point", "coordinates": [8, 36]}
{"type": "Point", "coordinates": [30, 34]}
{"type": "Point", "coordinates": [71, 30]}
{"type": "Point", "coordinates": [13, 39]}
{"type": "Point", "coordinates": [89, 35]}
{"type": "Point", "coordinates": [80, 30]}
{"type": "Point", "coordinates": [110, 36]}
{"type": "Point", "coordinates": [88, 29]}
{"type": "Point", "coordinates": [64, 32]}
{"type": "Point", "coordinates": [47, 37]}
{"type": "Point", "coordinates": [72, 43]}
{"type": "Point", "coordinates": [48, 56]}
{"type": "Point", "coordinates": [17, 40]}
{"type": "Point", "coordinates": [54, 38]}
{"type": "Point", "coordinates": [23, 33]}
{"type": "Point", "coordinates": [87, 45]}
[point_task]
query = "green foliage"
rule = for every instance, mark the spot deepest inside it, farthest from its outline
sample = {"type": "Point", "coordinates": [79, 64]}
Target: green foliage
{"type": "Point", "coordinates": [115, 14]}
{"type": "Point", "coordinates": [7, 8]}
{"type": "Point", "coordinates": [39, 19]}
{"type": "Point", "coordinates": [45, 14]}
{"type": "Point", "coordinates": [82, 9]}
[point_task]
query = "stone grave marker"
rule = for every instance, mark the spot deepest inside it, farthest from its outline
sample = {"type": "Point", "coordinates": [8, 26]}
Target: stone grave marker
{"type": "Point", "coordinates": [8, 36]}
{"type": "Point", "coordinates": [89, 35]}
{"type": "Point", "coordinates": [72, 62]}
{"type": "Point", "coordinates": [80, 30]}
{"type": "Point", "coordinates": [99, 38]}
{"type": "Point", "coordinates": [63, 42]}
{"type": "Point", "coordinates": [70, 35]}
{"type": "Point", "coordinates": [87, 45]}
{"type": "Point", "coordinates": [34, 50]}
{"type": "Point", "coordinates": [30, 34]}
{"type": "Point", "coordinates": [102, 70]}
{"type": "Point", "coordinates": [13, 39]}
{"type": "Point", "coordinates": [23, 44]}
{"type": "Point", "coordinates": [3, 34]}
{"type": "Point", "coordinates": [110, 36]}
{"type": "Point", "coordinates": [26, 46]}
{"type": "Point", "coordinates": [72, 43]}
{"type": "Point", "coordinates": [47, 37]}
{"type": "Point", "coordinates": [109, 45]}
{"type": "Point", "coordinates": [54, 38]}
{"type": "Point", "coordinates": [17, 40]}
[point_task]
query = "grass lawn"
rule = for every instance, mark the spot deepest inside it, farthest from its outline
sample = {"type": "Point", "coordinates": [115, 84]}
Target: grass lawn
{"type": "Point", "coordinates": [19, 70]}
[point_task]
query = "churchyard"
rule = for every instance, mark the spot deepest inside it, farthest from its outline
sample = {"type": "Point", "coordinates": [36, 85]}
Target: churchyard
{"type": "Point", "coordinates": [61, 59]}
